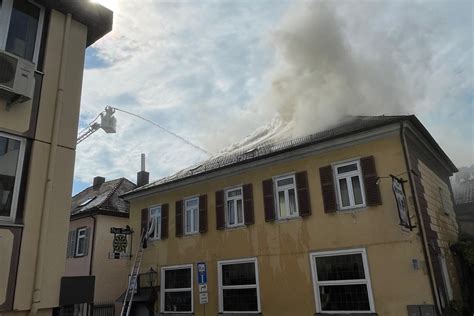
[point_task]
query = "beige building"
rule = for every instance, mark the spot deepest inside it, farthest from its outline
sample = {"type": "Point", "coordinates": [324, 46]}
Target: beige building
{"type": "Point", "coordinates": [42, 47]}
{"type": "Point", "coordinates": [307, 226]}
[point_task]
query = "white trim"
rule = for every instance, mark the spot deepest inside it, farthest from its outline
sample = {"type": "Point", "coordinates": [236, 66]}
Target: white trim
{"type": "Point", "coordinates": [445, 273]}
{"type": "Point", "coordinates": [163, 290]}
{"type": "Point", "coordinates": [247, 286]}
{"type": "Point", "coordinates": [292, 155]}
{"type": "Point", "coordinates": [154, 238]}
{"type": "Point", "coordinates": [316, 283]}
{"type": "Point", "coordinates": [347, 176]}
{"type": "Point", "coordinates": [235, 199]}
{"type": "Point", "coordinates": [19, 171]}
{"type": "Point", "coordinates": [285, 189]}
{"type": "Point", "coordinates": [78, 237]}
{"type": "Point", "coordinates": [5, 15]}
{"type": "Point", "coordinates": [195, 219]}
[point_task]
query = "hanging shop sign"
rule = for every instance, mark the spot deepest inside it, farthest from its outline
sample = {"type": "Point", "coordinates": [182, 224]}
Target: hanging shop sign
{"type": "Point", "coordinates": [120, 242]}
{"type": "Point", "coordinates": [399, 192]}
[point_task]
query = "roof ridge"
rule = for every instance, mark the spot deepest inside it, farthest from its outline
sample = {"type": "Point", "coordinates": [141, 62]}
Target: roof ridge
{"type": "Point", "coordinates": [112, 191]}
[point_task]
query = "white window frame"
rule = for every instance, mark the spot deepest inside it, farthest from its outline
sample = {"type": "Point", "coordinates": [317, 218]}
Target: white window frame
{"type": "Point", "coordinates": [5, 16]}
{"type": "Point", "coordinates": [249, 286]}
{"type": "Point", "coordinates": [234, 199]}
{"type": "Point", "coordinates": [285, 188]}
{"type": "Point", "coordinates": [16, 186]}
{"type": "Point", "coordinates": [444, 271]}
{"type": "Point", "coordinates": [163, 289]}
{"type": "Point", "coordinates": [317, 284]}
{"type": "Point", "coordinates": [348, 176]}
{"type": "Point", "coordinates": [157, 223]}
{"type": "Point", "coordinates": [195, 219]}
{"type": "Point", "coordinates": [79, 236]}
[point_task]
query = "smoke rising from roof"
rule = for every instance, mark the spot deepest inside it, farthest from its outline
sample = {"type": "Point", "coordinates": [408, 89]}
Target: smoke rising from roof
{"type": "Point", "coordinates": [334, 60]}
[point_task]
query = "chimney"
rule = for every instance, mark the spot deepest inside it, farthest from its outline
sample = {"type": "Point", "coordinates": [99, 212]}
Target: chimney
{"type": "Point", "coordinates": [143, 177]}
{"type": "Point", "coordinates": [98, 181]}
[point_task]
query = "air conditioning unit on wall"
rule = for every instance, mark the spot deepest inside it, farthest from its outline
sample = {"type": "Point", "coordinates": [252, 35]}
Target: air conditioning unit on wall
{"type": "Point", "coordinates": [17, 79]}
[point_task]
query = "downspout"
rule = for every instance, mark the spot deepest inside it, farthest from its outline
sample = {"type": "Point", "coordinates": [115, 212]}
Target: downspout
{"type": "Point", "coordinates": [93, 244]}
{"type": "Point", "coordinates": [419, 217]}
{"type": "Point", "coordinates": [48, 192]}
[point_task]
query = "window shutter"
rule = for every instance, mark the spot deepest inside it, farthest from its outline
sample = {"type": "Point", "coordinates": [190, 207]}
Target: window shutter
{"type": "Point", "coordinates": [220, 210]}
{"type": "Point", "coordinates": [164, 221]}
{"type": "Point", "coordinates": [248, 204]}
{"type": "Point", "coordinates": [144, 221]}
{"type": "Point", "coordinates": [268, 200]}
{"type": "Point", "coordinates": [369, 173]}
{"type": "Point", "coordinates": [203, 213]}
{"type": "Point", "coordinates": [179, 218]}
{"type": "Point", "coordinates": [70, 244]}
{"type": "Point", "coordinates": [73, 243]}
{"type": "Point", "coordinates": [304, 202]}
{"type": "Point", "coordinates": [86, 241]}
{"type": "Point", "coordinates": [328, 189]}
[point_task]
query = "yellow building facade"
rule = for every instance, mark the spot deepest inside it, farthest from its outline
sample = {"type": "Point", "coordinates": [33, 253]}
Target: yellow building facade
{"type": "Point", "coordinates": [279, 235]}
{"type": "Point", "coordinates": [38, 128]}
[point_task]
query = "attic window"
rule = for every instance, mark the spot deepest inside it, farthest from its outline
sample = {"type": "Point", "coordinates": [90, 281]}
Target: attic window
{"type": "Point", "coordinates": [87, 201]}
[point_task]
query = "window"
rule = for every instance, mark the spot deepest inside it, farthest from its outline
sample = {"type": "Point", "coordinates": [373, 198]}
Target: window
{"type": "Point", "coordinates": [238, 286]}
{"type": "Point", "coordinates": [287, 203]}
{"type": "Point", "coordinates": [349, 185]}
{"type": "Point", "coordinates": [444, 203]}
{"type": "Point", "coordinates": [81, 241]}
{"type": "Point", "coordinates": [21, 24]}
{"type": "Point", "coordinates": [155, 220]}
{"type": "Point", "coordinates": [12, 150]}
{"type": "Point", "coordinates": [341, 281]}
{"type": "Point", "coordinates": [234, 208]}
{"type": "Point", "coordinates": [191, 216]}
{"type": "Point", "coordinates": [177, 289]}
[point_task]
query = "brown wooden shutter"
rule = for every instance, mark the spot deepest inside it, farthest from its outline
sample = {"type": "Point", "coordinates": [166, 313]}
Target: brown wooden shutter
{"type": "Point", "coordinates": [248, 204]}
{"type": "Point", "coordinates": [203, 213]}
{"type": "Point", "coordinates": [369, 173]}
{"type": "Point", "coordinates": [144, 221]}
{"type": "Point", "coordinates": [268, 200]}
{"type": "Point", "coordinates": [328, 189]}
{"type": "Point", "coordinates": [304, 202]}
{"type": "Point", "coordinates": [179, 218]}
{"type": "Point", "coordinates": [164, 221]}
{"type": "Point", "coordinates": [220, 209]}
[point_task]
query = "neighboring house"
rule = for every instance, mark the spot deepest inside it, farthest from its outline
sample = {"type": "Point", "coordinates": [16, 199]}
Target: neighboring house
{"type": "Point", "coordinates": [463, 189]}
{"type": "Point", "coordinates": [306, 226]}
{"type": "Point", "coordinates": [42, 49]}
{"type": "Point", "coordinates": [94, 212]}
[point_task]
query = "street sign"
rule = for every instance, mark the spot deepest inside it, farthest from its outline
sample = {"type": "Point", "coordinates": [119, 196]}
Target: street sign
{"type": "Point", "coordinates": [203, 298]}
{"type": "Point", "coordinates": [399, 192]}
{"type": "Point", "coordinates": [202, 272]}
{"type": "Point", "coordinates": [202, 288]}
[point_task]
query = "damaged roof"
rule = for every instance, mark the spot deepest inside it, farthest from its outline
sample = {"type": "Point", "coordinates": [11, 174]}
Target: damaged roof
{"type": "Point", "coordinates": [104, 199]}
{"type": "Point", "coordinates": [352, 125]}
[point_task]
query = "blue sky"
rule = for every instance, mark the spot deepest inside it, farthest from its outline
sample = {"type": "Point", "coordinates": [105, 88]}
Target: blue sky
{"type": "Point", "coordinates": [213, 72]}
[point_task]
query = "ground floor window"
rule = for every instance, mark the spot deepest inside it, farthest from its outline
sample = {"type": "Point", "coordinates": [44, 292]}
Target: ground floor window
{"type": "Point", "coordinates": [341, 281]}
{"type": "Point", "coordinates": [177, 289]}
{"type": "Point", "coordinates": [238, 286]}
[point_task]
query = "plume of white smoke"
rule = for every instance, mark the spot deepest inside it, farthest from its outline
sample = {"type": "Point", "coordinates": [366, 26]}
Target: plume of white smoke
{"type": "Point", "coordinates": [334, 60]}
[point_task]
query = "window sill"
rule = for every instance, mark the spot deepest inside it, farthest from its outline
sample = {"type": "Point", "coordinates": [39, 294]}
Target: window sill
{"type": "Point", "coordinates": [240, 314]}
{"type": "Point", "coordinates": [355, 209]}
{"type": "Point", "coordinates": [6, 223]}
{"type": "Point", "coordinates": [228, 228]}
{"type": "Point", "coordinates": [177, 314]}
{"type": "Point", "coordinates": [287, 219]}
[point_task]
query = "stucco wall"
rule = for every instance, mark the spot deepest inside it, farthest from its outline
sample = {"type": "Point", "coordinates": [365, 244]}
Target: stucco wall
{"type": "Point", "coordinates": [56, 224]}
{"type": "Point", "coordinates": [283, 247]}
{"type": "Point", "coordinates": [77, 266]}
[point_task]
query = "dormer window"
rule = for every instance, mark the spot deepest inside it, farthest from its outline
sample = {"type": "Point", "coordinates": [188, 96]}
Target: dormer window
{"type": "Point", "coordinates": [21, 24]}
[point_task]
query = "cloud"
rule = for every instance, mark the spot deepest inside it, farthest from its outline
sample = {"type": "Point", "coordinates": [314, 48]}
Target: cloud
{"type": "Point", "coordinates": [214, 72]}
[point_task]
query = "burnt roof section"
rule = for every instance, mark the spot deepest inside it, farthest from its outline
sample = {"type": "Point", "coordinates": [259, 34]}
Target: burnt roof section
{"type": "Point", "coordinates": [96, 17]}
{"type": "Point", "coordinates": [105, 199]}
{"type": "Point", "coordinates": [355, 124]}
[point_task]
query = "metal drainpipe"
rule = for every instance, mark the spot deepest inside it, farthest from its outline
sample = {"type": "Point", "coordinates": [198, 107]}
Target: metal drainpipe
{"type": "Point", "coordinates": [93, 244]}
{"type": "Point", "coordinates": [419, 217]}
{"type": "Point", "coordinates": [48, 196]}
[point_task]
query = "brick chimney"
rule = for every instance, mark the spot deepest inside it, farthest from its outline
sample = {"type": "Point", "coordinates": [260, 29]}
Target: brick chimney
{"type": "Point", "coordinates": [98, 181]}
{"type": "Point", "coordinates": [143, 177]}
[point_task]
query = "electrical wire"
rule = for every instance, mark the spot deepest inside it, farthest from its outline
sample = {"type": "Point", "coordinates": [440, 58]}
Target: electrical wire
{"type": "Point", "coordinates": [164, 129]}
